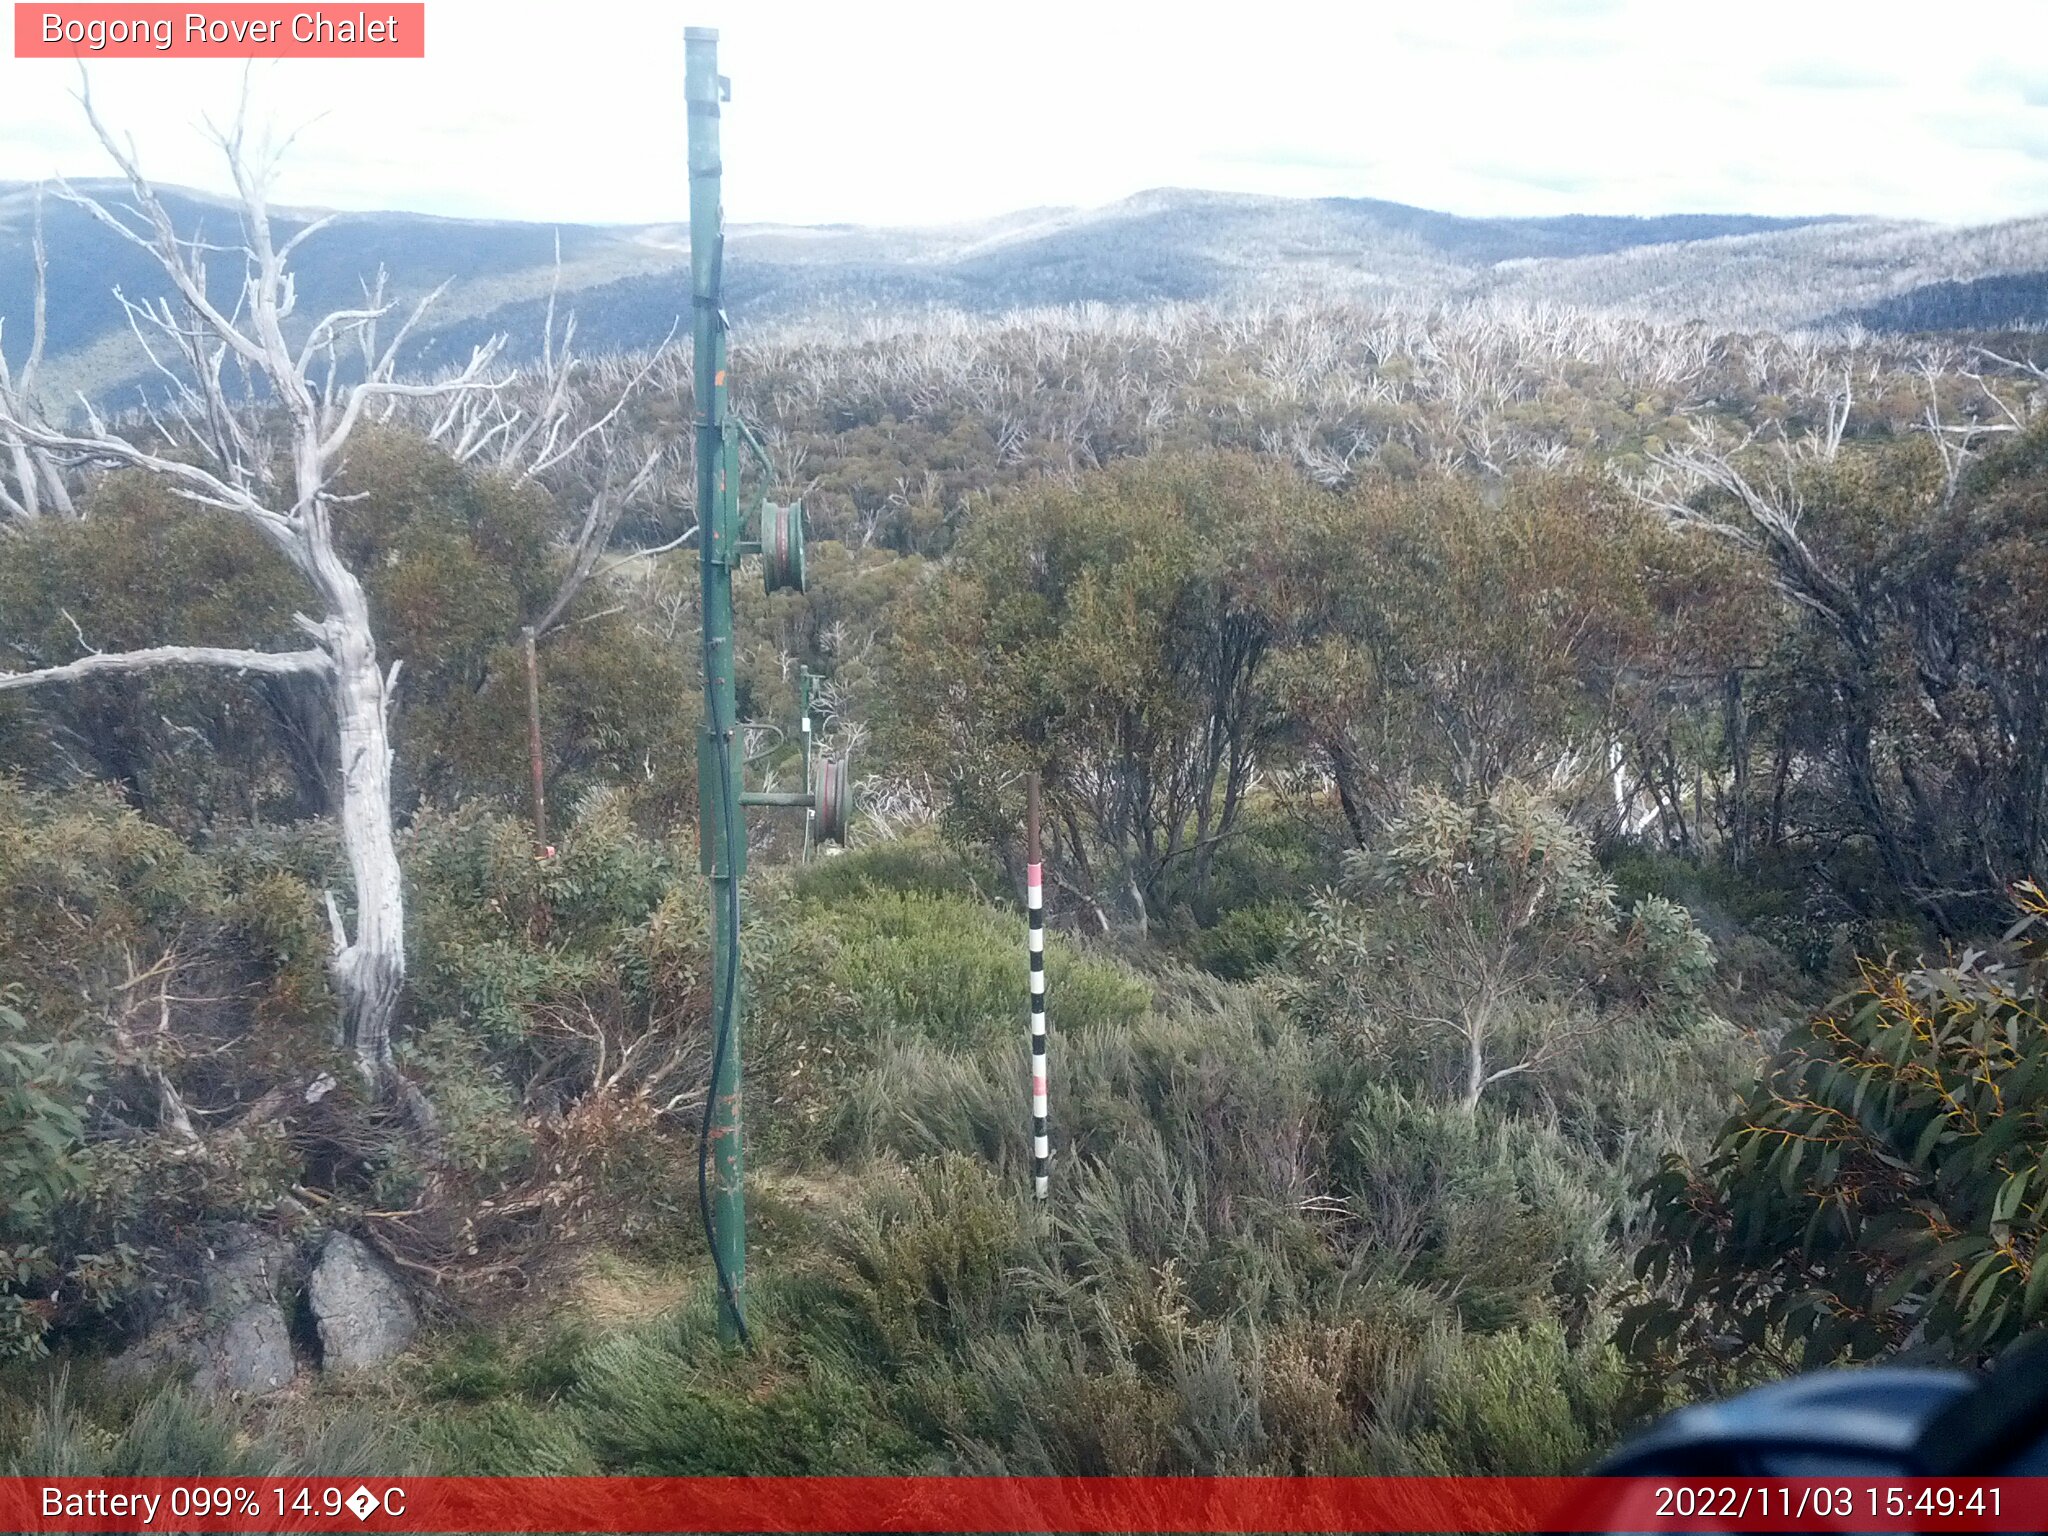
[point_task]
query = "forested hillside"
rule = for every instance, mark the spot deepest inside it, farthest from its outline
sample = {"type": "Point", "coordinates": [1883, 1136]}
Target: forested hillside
{"type": "Point", "coordinates": [1540, 808]}
{"type": "Point", "coordinates": [629, 284]}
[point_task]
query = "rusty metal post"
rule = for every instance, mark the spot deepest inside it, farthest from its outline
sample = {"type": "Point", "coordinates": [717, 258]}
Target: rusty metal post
{"type": "Point", "coordinates": [540, 789]}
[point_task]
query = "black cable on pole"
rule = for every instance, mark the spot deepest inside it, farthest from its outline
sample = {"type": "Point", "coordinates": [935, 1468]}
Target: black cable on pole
{"type": "Point", "coordinates": [721, 1035]}
{"type": "Point", "coordinates": [722, 1024]}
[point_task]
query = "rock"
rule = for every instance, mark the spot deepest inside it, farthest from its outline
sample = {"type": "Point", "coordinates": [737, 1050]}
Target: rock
{"type": "Point", "coordinates": [360, 1309]}
{"type": "Point", "coordinates": [251, 1352]}
{"type": "Point", "coordinates": [166, 1349]}
{"type": "Point", "coordinates": [244, 1343]}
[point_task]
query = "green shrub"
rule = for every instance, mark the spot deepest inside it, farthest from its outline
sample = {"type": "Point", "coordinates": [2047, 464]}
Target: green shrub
{"type": "Point", "coordinates": [563, 1007]}
{"type": "Point", "coordinates": [507, 1438]}
{"type": "Point", "coordinates": [1882, 1184]}
{"type": "Point", "coordinates": [953, 970]}
{"type": "Point", "coordinates": [502, 939]}
{"type": "Point", "coordinates": [44, 1087]}
{"type": "Point", "coordinates": [198, 748]}
{"type": "Point", "coordinates": [1246, 940]}
{"type": "Point", "coordinates": [920, 865]}
{"type": "Point", "coordinates": [668, 1400]}
{"type": "Point", "coordinates": [1277, 855]}
{"type": "Point", "coordinates": [1482, 948]}
{"type": "Point", "coordinates": [81, 1427]}
{"type": "Point", "coordinates": [1502, 1215]}
{"type": "Point", "coordinates": [43, 1090]}
{"type": "Point", "coordinates": [44, 1094]}
{"type": "Point", "coordinates": [87, 890]}
{"type": "Point", "coordinates": [926, 1263]}
{"type": "Point", "coordinates": [1042, 1402]}
{"type": "Point", "coordinates": [1520, 1404]}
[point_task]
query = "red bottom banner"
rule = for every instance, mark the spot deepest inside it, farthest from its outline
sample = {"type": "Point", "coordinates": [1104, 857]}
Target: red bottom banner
{"type": "Point", "coordinates": [1022, 1504]}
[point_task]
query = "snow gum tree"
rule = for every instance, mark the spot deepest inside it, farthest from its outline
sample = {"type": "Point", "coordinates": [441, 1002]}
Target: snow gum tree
{"type": "Point", "coordinates": [251, 412]}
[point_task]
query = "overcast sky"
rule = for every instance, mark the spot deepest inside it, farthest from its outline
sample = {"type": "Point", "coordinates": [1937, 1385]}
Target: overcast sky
{"type": "Point", "coordinates": [892, 111]}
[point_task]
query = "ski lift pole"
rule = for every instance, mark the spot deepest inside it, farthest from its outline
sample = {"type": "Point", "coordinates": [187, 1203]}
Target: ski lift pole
{"type": "Point", "coordinates": [721, 832]}
{"type": "Point", "coordinates": [1034, 902]}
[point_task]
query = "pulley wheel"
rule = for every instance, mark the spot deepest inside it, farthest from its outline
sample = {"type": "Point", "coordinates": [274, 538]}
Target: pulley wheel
{"type": "Point", "coordinates": [782, 547]}
{"type": "Point", "coordinates": [835, 800]}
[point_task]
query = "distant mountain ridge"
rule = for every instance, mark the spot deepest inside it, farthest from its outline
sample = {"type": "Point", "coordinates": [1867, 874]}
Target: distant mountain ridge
{"type": "Point", "coordinates": [628, 284]}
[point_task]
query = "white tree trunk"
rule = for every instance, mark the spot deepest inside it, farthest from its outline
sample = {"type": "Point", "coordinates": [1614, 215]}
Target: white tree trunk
{"type": "Point", "coordinates": [27, 483]}
{"type": "Point", "coordinates": [369, 970]}
{"type": "Point", "coordinates": [1478, 1025]}
{"type": "Point", "coordinates": [1475, 1070]}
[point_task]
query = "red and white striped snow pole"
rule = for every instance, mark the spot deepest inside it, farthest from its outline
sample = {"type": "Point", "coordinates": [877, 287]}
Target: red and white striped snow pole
{"type": "Point", "coordinates": [1034, 902]}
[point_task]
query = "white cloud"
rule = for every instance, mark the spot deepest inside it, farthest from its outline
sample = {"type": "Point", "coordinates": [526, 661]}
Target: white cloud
{"type": "Point", "coordinates": [895, 111]}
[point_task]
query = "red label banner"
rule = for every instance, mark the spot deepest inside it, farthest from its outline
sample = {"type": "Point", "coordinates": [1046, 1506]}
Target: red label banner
{"type": "Point", "coordinates": [998, 1504]}
{"type": "Point", "coordinates": [380, 30]}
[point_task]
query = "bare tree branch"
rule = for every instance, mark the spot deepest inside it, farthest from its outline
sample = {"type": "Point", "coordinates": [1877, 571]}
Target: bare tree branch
{"type": "Point", "coordinates": [591, 539]}
{"type": "Point", "coordinates": [266, 663]}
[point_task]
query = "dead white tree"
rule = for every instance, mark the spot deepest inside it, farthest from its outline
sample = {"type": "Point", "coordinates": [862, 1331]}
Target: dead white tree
{"type": "Point", "coordinates": [1762, 513]}
{"type": "Point", "coordinates": [37, 483]}
{"type": "Point", "coordinates": [265, 443]}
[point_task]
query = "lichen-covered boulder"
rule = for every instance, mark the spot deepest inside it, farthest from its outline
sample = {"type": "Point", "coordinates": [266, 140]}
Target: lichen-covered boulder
{"type": "Point", "coordinates": [360, 1310]}
{"type": "Point", "coordinates": [244, 1343]}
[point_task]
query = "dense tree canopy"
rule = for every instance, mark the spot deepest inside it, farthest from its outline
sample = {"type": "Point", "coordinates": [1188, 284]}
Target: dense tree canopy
{"type": "Point", "coordinates": [1113, 637]}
